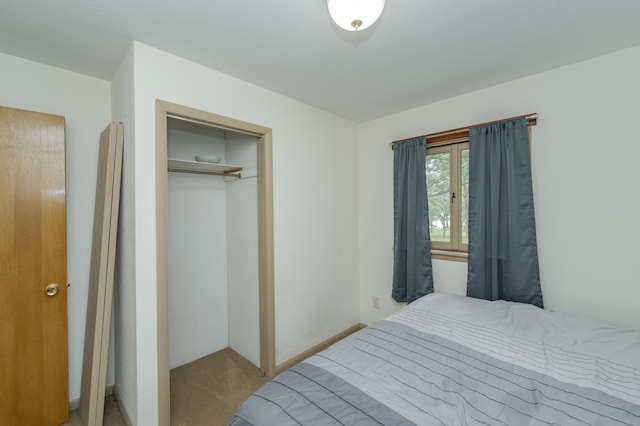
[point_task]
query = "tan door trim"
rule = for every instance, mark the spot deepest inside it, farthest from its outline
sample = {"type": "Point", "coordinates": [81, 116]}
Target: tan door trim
{"type": "Point", "coordinates": [265, 240]}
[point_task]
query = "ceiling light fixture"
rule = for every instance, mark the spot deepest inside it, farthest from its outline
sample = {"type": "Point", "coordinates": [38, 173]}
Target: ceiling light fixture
{"type": "Point", "coordinates": [354, 15]}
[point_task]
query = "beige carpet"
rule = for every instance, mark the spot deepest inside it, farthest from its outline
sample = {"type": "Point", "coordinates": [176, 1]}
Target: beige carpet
{"type": "Point", "coordinates": [206, 391]}
{"type": "Point", "coordinates": [209, 390]}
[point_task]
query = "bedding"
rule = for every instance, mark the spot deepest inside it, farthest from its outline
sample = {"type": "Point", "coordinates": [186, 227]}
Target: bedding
{"type": "Point", "coordinates": [452, 360]}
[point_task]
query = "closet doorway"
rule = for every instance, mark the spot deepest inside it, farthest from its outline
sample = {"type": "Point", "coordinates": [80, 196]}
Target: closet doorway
{"type": "Point", "coordinates": [238, 141]}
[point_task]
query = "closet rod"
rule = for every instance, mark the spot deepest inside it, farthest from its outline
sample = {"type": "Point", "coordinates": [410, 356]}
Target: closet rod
{"type": "Point", "coordinates": [215, 126]}
{"type": "Point", "coordinates": [197, 172]}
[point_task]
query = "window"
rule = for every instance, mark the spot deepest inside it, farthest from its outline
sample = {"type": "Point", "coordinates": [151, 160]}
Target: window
{"type": "Point", "coordinates": [447, 171]}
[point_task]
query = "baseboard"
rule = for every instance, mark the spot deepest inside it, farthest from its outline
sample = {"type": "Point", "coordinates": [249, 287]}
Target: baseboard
{"type": "Point", "coordinates": [123, 411]}
{"type": "Point", "coordinates": [317, 348]}
{"type": "Point", "coordinates": [74, 404]}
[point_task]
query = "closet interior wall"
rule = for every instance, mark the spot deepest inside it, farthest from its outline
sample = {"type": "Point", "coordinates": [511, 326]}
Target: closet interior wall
{"type": "Point", "coordinates": [213, 247]}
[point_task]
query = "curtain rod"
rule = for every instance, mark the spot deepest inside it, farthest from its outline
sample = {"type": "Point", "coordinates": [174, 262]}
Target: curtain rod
{"type": "Point", "coordinates": [531, 121]}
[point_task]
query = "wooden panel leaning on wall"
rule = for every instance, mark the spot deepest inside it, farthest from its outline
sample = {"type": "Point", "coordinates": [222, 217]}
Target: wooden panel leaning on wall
{"type": "Point", "coordinates": [101, 279]}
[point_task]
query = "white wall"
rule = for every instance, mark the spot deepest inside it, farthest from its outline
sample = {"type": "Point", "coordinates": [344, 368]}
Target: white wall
{"type": "Point", "coordinates": [242, 248]}
{"type": "Point", "coordinates": [213, 248]}
{"type": "Point", "coordinates": [315, 207]}
{"type": "Point", "coordinates": [122, 108]}
{"type": "Point", "coordinates": [85, 104]}
{"type": "Point", "coordinates": [197, 237]}
{"type": "Point", "coordinates": [585, 174]}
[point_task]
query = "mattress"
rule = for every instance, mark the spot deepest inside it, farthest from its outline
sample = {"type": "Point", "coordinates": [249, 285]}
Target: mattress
{"type": "Point", "coordinates": [452, 360]}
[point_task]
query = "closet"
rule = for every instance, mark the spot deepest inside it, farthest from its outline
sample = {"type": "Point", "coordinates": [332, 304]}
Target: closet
{"type": "Point", "coordinates": [213, 269]}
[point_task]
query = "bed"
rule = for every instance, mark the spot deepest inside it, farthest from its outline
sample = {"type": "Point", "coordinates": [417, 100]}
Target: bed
{"type": "Point", "coordinates": [452, 360]}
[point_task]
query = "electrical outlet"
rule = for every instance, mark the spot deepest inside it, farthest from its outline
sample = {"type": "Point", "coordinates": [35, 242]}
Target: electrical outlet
{"type": "Point", "coordinates": [375, 302]}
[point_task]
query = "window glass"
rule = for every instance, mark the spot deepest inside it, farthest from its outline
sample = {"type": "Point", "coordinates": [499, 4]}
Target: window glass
{"type": "Point", "coordinates": [438, 193]}
{"type": "Point", "coordinates": [464, 192]}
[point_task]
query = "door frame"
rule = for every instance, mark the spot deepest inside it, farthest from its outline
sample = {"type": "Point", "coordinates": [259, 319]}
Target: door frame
{"type": "Point", "coordinates": [265, 239]}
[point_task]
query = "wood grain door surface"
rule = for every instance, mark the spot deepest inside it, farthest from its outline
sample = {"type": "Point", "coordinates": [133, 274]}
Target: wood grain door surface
{"type": "Point", "coordinates": [33, 325]}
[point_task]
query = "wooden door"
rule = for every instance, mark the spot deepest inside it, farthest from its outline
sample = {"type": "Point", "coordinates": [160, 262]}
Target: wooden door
{"type": "Point", "coordinates": [33, 291]}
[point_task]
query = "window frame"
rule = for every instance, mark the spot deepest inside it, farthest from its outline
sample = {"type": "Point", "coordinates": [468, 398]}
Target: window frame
{"type": "Point", "coordinates": [455, 249]}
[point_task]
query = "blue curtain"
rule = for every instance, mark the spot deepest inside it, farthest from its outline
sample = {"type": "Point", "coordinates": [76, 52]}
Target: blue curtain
{"type": "Point", "coordinates": [412, 273]}
{"type": "Point", "coordinates": [503, 253]}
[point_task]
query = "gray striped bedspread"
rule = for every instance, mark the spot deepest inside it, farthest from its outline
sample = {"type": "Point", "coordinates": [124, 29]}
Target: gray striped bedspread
{"type": "Point", "coordinates": [451, 360]}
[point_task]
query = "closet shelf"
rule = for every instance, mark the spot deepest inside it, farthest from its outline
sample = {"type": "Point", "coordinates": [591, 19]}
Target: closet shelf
{"type": "Point", "coordinates": [185, 166]}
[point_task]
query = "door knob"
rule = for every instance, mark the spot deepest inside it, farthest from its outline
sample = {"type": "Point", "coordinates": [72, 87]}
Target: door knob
{"type": "Point", "coordinates": [51, 290]}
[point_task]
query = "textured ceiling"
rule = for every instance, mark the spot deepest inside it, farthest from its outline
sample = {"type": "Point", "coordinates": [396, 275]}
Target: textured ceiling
{"type": "Point", "coordinates": [420, 51]}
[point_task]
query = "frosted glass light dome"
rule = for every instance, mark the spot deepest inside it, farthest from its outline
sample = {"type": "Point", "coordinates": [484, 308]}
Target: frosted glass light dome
{"type": "Point", "coordinates": [355, 15]}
